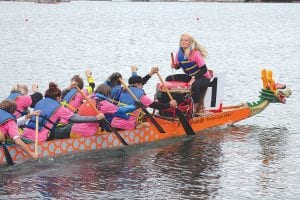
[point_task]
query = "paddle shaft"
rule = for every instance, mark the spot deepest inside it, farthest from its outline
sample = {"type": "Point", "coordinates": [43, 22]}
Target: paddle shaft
{"type": "Point", "coordinates": [36, 134]}
{"type": "Point", "coordinates": [185, 124]}
{"type": "Point", "coordinates": [127, 88]}
{"type": "Point", "coordinates": [163, 83]}
{"type": "Point", "coordinates": [8, 157]}
{"type": "Point", "coordinates": [104, 120]}
{"type": "Point", "coordinates": [64, 103]}
{"type": "Point", "coordinates": [154, 122]}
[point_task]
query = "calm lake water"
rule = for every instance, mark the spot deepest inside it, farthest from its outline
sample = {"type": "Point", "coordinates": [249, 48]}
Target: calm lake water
{"type": "Point", "coordinates": [257, 158]}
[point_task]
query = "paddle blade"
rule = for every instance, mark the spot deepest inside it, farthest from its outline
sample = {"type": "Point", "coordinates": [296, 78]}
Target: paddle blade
{"type": "Point", "coordinates": [154, 122]}
{"type": "Point", "coordinates": [8, 157]}
{"type": "Point", "coordinates": [185, 124]}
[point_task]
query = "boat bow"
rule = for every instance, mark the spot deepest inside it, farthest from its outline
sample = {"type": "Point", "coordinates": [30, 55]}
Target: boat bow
{"type": "Point", "coordinates": [270, 93]}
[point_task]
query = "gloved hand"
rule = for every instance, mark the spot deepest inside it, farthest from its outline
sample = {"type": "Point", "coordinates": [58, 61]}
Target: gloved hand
{"type": "Point", "coordinates": [138, 104]}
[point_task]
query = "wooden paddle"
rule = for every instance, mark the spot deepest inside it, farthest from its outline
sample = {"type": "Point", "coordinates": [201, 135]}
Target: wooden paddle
{"type": "Point", "coordinates": [8, 157]}
{"type": "Point", "coordinates": [36, 134]}
{"type": "Point", "coordinates": [104, 120]}
{"type": "Point", "coordinates": [185, 124]}
{"type": "Point", "coordinates": [154, 122]}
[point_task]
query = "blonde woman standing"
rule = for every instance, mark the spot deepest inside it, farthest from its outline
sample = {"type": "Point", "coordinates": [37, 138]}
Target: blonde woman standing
{"type": "Point", "coordinates": [190, 57]}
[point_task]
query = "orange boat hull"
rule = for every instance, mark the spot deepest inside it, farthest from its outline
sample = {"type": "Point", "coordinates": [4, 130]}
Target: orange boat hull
{"type": "Point", "coordinates": [108, 140]}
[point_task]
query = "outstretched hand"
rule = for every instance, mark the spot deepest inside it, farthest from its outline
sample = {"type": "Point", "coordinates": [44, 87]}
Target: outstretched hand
{"type": "Point", "coordinates": [191, 81]}
{"type": "Point", "coordinates": [100, 116]}
{"type": "Point", "coordinates": [34, 87]}
{"type": "Point", "coordinates": [33, 113]}
{"type": "Point", "coordinates": [134, 68]}
{"type": "Point", "coordinates": [34, 155]}
{"type": "Point", "coordinates": [173, 103]}
{"type": "Point", "coordinates": [153, 70]}
{"type": "Point", "coordinates": [88, 73]}
{"type": "Point", "coordinates": [138, 104]}
{"type": "Point", "coordinates": [175, 66]}
{"type": "Point", "coordinates": [2, 137]}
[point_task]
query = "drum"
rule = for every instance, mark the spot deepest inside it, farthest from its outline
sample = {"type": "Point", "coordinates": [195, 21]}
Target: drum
{"type": "Point", "coordinates": [180, 91]}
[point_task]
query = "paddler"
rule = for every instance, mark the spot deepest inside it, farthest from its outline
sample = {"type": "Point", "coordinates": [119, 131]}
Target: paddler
{"type": "Point", "coordinates": [71, 98]}
{"type": "Point", "coordinates": [9, 127]}
{"type": "Point", "coordinates": [19, 93]}
{"type": "Point", "coordinates": [115, 85]}
{"type": "Point", "coordinates": [136, 86]}
{"type": "Point", "coordinates": [51, 113]}
{"type": "Point", "coordinates": [103, 106]}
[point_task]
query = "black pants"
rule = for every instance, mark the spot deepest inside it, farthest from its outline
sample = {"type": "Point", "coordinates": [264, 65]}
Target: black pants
{"type": "Point", "coordinates": [61, 132]}
{"type": "Point", "coordinates": [199, 88]}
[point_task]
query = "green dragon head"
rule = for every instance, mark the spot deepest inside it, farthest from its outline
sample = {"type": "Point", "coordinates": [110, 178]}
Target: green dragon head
{"type": "Point", "coordinates": [274, 92]}
{"type": "Point", "coordinates": [270, 93]}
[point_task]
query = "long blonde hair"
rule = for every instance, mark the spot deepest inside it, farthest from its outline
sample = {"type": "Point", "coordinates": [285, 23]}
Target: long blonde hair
{"type": "Point", "coordinates": [22, 88]}
{"type": "Point", "coordinates": [196, 46]}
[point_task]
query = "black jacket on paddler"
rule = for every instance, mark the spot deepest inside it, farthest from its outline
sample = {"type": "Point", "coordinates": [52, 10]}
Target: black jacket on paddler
{"type": "Point", "coordinates": [35, 97]}
{"type": "Point", "coordinates": [156, 105]}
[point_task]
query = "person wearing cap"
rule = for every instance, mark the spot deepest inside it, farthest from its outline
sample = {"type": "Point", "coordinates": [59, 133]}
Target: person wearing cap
{"type": "Point", "coordinates": [190, 57]}
{"type": "Point", "coordinates": [147, 76]}
{"type": "Point", "coordinates": [115, 85]}
{"type": "Point", "coordinates": [136, 86]}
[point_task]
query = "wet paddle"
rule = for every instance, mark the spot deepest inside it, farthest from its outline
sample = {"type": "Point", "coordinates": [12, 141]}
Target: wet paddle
{"type": "Point", "coordinates": [154, 122]}
{"type": "Point", "coordinates": [185, 124]}
{"type": "Point", "coordinates": [104, 120]}
{"type": "Point", "coordinates": [8, 157]}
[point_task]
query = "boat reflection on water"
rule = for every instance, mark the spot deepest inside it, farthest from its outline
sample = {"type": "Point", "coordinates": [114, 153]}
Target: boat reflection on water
{"type": "Point", "coordinates": [273, 155]}
{"type": "Point", "coordinates": [191, 166]}
{"type": "Point", "coordinates": [273, 144]}
{"type": "Point", "coordinates": [202, 166]}
{"type": "Point", "coordinates": [194, 167]}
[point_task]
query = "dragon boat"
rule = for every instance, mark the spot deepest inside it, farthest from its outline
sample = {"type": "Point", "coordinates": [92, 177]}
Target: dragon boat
{"type": "Point", "coordinates": [271, 92]}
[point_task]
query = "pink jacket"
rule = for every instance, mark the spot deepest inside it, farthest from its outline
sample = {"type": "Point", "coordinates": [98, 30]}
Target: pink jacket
{"type": "Point", "coordinates": [75, 103]}
{"type": "Point", "coordinates": [23, 102]}
{"type": "Point", "coordinates": [77, 99]}
{"type": "Point", "coordinates": [130, 124]}
{"type": "Point", "coordinates": [10, 128]}
{"type": "Point", "coordinates": [61, 113]}
{"type": "Point", "coordinates": [89, 129]}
